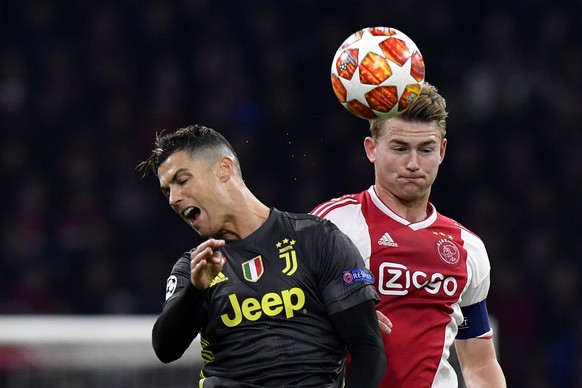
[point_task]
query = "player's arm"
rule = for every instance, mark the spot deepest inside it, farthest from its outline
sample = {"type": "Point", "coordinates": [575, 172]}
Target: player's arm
{"type": "Point", "coordinates": [475, 349]}
{"type": "Point", "coordinates": [358, 329]}
{"type": "Point", "coordinates": [479, 363]}
{"type": "Point", "coordinates": [183, 315]}
{"type": "Point", "coordinates": [178, 324]}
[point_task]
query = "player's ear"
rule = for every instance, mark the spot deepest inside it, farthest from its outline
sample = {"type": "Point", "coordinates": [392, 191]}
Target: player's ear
{"type": "Point", "coordinates": [370, 147]}
{"type": "Point", "coordinates": [225, 168]}
{"type": "Point", "coordinates": [442, 150]}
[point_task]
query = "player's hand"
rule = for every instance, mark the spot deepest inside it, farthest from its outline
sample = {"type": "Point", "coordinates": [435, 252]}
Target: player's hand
{"type": "Point", "coordinates": [384, 323]}
{"type": "Point", "coordinates": [205, 263]}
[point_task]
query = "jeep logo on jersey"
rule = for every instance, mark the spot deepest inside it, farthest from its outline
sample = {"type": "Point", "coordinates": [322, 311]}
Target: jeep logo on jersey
{"type": "Point", "coordinates": [397, 279]}
{"type": "Point", "coordinates": [253, 269]}
{"type": "Point", "coordinates": [271, 304]}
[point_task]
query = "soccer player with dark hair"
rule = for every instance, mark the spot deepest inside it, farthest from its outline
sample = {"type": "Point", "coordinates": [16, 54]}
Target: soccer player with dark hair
{"type": "Point", "coordinates": [277, 298]}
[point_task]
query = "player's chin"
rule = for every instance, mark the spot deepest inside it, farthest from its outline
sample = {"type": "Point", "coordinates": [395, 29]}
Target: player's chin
{"type": "Point", "coordinates": [196, 226]}
{"type": "Point", "coordinates": [204, 231]}
{"type": "Point", "coordinates": [412, 193]}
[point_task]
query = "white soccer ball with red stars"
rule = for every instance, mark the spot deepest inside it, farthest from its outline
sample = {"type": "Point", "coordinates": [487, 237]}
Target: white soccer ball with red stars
{"type": "Point", "coordinates": [377, 72]}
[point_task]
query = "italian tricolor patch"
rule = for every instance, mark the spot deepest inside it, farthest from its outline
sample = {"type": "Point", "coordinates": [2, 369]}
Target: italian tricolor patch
{"type": "Point", "coordinates": [253, 269]}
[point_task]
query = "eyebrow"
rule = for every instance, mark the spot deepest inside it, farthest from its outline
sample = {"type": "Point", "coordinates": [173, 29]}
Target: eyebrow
{"type": "Point", "coordinates": [422, 144]}
{"type": "Point", "coordinates": [173, 178]}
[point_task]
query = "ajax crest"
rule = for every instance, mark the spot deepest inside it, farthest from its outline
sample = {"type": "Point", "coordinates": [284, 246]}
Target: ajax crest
{"type": "Point", "coordinates": [448, 251]}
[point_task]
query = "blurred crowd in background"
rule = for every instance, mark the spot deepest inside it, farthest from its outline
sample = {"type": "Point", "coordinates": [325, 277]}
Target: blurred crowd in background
{"type": "Point", "coordinates": [84, 87]}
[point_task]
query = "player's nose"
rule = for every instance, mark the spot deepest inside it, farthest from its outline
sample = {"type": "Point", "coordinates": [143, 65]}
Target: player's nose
{"type": "Point", "coordinates": [174, 197]}
{"type": "Point", "coordinates": [412, 161]}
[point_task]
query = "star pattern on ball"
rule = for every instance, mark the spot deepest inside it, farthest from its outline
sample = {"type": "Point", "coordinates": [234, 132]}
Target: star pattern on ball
{"type": "Point", "coordinates": [376, 72]}
{"type": "Point", "coordinates": [367, 43]}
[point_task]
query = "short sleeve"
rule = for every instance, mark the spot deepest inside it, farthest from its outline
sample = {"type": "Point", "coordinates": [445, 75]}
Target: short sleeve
{"type": "Point", "coordinates": [478, 268]}
{"type": "Point", "coordinates": [344, 280]}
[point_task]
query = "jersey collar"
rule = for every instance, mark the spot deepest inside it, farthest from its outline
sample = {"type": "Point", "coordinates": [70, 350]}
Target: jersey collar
{"type": "Point", "coordinates": [413, 225]}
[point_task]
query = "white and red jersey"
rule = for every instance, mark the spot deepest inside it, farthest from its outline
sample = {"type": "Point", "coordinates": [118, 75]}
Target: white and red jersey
{"type": "Point", "coordinates": [424, 273]}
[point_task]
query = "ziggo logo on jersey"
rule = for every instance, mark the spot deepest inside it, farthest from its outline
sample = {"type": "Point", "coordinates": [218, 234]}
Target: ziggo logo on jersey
{"type": "Point", "coordinates": [271, 304]}
{"type": "Point", "coordinates": [396, 279]}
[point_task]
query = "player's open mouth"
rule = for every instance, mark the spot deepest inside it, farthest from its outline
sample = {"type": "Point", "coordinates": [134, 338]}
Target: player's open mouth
{"type": "Point", "coordinates": [191, 214]}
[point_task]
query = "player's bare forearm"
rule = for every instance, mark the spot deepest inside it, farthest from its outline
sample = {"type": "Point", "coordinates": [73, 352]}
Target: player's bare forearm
{"type": "Point", "coordinates": [488, 376]}
{"type": "Point", "coordinates": [479, 363]}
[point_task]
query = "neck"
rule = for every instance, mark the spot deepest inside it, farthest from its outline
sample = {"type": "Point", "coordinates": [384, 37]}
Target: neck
{"type": "Point", "coordinates": [414, 210]}
{"type": "Point", "coordinates": [248, 216]}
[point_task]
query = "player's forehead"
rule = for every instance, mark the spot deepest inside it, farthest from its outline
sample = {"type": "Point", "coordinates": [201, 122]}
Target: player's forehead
{"type": "Point", "coordinates": [176, 162]}
{"type": "Point", "coordinates": [409, 131]}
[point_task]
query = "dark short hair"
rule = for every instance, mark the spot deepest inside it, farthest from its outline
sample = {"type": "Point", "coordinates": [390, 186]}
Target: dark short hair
{"type": "Point", "coordinates": [193, 138]}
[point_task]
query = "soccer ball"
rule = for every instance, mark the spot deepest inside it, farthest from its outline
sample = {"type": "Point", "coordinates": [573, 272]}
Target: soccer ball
{"type": "Point", "coordinates": [377, 72]}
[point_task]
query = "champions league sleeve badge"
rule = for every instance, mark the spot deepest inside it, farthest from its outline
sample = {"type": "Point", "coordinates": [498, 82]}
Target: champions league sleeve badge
{"type": "Point", "coordinates": [357, 275]}
{"type": "Point", "coordinates": [171, 286]}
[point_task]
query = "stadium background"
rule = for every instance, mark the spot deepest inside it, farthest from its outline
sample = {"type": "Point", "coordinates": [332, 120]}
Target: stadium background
{"type": "Point", "coordinates": [85, 85]}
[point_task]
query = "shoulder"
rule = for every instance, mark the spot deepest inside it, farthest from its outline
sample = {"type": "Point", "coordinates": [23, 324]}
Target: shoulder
{"type": "Point", "coordinates": [348, 213]}
{"type": "Point", "coordinates": [183, 263]}
{"type": "Point", "coordinates": [313, 230]}
{"type": "Point", "coordinates": [316, 237]}
{"type": "Point", "coordinates": [303, 221]}
{"type": "Point", "coordinates": [471, 240]}
{"type": "Point", "coordinates": [477, 256]}
{"type": "Point", "coordinates": [347, 202]}
{"type": "Point", "coordinates": [454, 224]}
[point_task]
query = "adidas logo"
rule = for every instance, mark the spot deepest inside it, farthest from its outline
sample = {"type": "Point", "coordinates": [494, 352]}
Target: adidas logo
{"type": "Point", "coordinates": [387, 240]}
